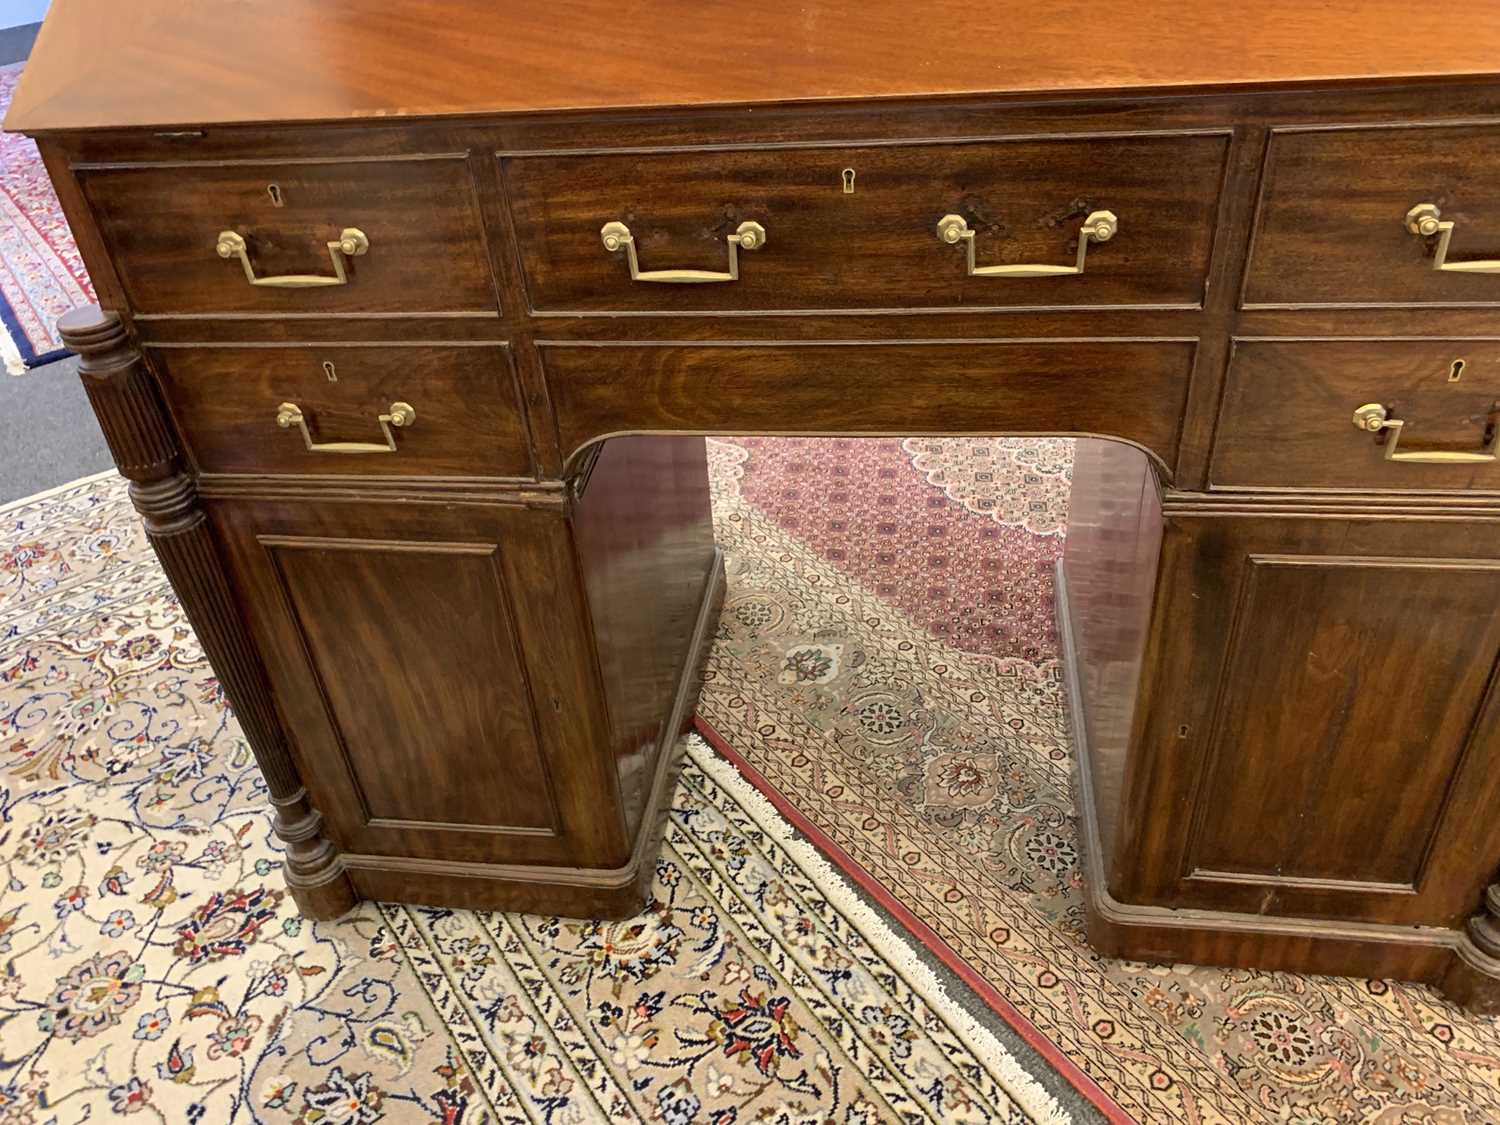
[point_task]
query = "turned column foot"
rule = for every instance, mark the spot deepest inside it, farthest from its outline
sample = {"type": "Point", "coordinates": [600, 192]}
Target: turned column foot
{"type": "Point", "coordinates": [145, 450]}
{"type": "Point", "coordinates": [1473, 980]}
{"type": "Point", "coordinates": [315, 873]}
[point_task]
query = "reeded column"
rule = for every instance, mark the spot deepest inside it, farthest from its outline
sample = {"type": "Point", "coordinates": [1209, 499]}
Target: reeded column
{"type": "Point", "coordinates": [145, 449]}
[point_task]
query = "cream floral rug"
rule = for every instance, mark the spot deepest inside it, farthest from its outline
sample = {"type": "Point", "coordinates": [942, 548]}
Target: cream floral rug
{"type": "Point", "coordinates": [862, 669]}
{"type": "Point", "coordinates": [151, 965]}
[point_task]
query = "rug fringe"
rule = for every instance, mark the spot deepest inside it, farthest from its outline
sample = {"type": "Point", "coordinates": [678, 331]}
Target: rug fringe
{"type": "Point", "coordinates": [882, 936]}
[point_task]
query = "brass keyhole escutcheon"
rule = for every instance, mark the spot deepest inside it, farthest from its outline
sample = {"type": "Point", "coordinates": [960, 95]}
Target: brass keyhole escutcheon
{"type": "Point", "coordinates": [848, 181]}
{"type": "Point", "coordinates": [1455, 372]}
{"type": "Point", "coordinates": [274, 191]}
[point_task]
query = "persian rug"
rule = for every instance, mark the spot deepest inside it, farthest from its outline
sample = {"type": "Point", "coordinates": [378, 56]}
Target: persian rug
{"type": "Point", "coordinates": [151, 964]}
{"type": "Point", "coordinates": [41, 272]}
{"type": "Point", "coordinates": [886, 672]}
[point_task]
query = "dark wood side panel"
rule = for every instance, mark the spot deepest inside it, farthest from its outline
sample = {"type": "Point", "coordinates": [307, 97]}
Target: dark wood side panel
{"type": "Point", "coordinates": [469, 420]}
{"type": "Point", "coordinates": [1109, 567]}
{"type": "Point", "coordinates": [876, 245]}
{"type": "Point", "coordinates": [644, 535]}
{"type": "Point", "coordinates": [1131, 389]}
{"type": "Point", "coordinates": [1322, 709]}
{"type": "Point", "coordinates": [421, 216]}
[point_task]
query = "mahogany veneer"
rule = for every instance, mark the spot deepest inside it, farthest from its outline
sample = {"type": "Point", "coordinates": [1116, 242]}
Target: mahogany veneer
{"type": "Point", "coordinates": [421, 451]}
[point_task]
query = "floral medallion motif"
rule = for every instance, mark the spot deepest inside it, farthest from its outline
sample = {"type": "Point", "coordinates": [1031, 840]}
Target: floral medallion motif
{"type": "Point", "coordinates": [92, 997]}
{"type": "Point", "coordinates": [810, 664]}
{"type": "Point", "coordinates": [960, 779]}
{"type": "Point", "coordinates": [884, 718]}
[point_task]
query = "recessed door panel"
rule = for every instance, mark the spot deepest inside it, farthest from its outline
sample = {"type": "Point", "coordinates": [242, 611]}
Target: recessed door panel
{"type": "Point", "coordinates": [420, 654]}
{"type": "Point", "coordinates": [1353, 688]}
{"type": "Point", "coordinates": [414, 650]}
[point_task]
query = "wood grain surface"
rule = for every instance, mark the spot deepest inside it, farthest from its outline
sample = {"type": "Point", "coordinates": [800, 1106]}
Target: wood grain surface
{"type": "Point", "coordinates": [163, 62]}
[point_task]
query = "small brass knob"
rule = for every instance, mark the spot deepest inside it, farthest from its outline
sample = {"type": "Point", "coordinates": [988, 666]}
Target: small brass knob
{"type": "Point", "coordinates": [1423, 219]}
{"type": "Point", "coordinates": [952, 228]}
{"type": "Point", "coordinates": [750, 235]}
{"type": "Point", "coordinates": [352, 242]}
{"type": "Point", "coordinates": [1101, 225]}
{"type": "Point", "coordinates": [1371, 417]}
{"type": "Point", "coordinates": [614, 235]}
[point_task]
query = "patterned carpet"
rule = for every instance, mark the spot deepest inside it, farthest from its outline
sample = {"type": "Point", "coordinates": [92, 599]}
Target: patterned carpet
{"type": "Point", "coordinates": [862, 672]}
{"type": "Point", "coordinates": [151, 965]}
{"type": "Point", "coordinates": [41, 272]}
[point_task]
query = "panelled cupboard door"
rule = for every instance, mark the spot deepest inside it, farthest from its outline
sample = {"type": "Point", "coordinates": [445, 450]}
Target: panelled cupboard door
{"type": "Point", "coordinates": [1335, 750]}
{"type": "Point", "coordinates": [415, 650]}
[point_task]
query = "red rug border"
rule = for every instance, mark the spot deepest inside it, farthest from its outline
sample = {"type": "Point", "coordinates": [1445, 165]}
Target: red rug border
{"type": "Point", "coordinates": [918, 929]}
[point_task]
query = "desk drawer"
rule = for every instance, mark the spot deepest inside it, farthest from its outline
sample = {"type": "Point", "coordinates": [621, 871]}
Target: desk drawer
{"type": "Point", "coordinates": [1026, 202]}
{"type": "Point", "coordinates": [424, 242]}
{"type": "Point", "coordinates": [229, 402]}
{"type": "Point", "coordinates": [1289, 409]}
{"type": "Point", "coordinates": [1134, 390]}
{"type": "Point", "coordinates": [1335, 224]}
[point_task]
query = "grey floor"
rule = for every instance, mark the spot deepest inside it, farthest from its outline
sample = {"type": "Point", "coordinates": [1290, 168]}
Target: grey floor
{"type": "Point", "coordinates": [15, 42]}
{"type": "Point", "coordinates": [48, 435]}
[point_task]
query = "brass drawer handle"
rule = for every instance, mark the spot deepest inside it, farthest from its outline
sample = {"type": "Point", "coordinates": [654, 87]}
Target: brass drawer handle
{"type": "Point", "coordinates": [350, 243]}
{"type": "Point", "coordinates": [1100, 226]}
{"type": "Point", "coordinates": [747, 236]}
{"type": "Point", "coordinates": [289, 414]}
{"type": "Point", "coordinates": [1373, 418]}
{"type": "Point", "coordinates": [1425, 220]}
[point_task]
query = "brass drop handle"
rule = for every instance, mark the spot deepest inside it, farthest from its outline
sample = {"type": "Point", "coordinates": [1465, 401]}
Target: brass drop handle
{"type": "Point", "coordinates": [1373, 418]}
{"type": "Point", "coordinates": [747, 236]}
{"type": "Point", "coordinates": [351, 243]}
{"type": "Point", "coordinates": [1425, 220]}
{"type": "Point", "coordinates": [289, 414]}
{"type": "Point", "coordinates": [1099, 226]}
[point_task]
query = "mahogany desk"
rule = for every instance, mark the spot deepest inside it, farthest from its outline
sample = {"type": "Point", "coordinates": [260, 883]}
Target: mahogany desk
{"type": "Point", "coordinates": [383, 279]}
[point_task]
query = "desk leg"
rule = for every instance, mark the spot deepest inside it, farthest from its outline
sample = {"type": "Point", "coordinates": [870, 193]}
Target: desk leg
{"type": "Point", "coordinates": [146, 452]}
{"type": "Point", "coordinates": [1473, 980]}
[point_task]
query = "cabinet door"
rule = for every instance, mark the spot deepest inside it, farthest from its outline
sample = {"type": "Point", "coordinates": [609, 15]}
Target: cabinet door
{"type": "Point", "coordinates": [1332, 744]}
{"type": "Point", "coordinates": [421, 655]}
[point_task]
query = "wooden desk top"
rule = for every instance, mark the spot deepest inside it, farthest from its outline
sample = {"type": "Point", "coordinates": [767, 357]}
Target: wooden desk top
{"type": "Point", "coordinates": [102, 63]}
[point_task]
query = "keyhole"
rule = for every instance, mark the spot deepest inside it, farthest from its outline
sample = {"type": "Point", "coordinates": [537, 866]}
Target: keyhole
{"type": "Point", "coordinates": [848, 181]}
{"type": "Point", "coordinates": [1457, 370]}
{"type": "Point", "coordinates": [274, 191]}
{"type": "Point", "coordinates": [333, 376]}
